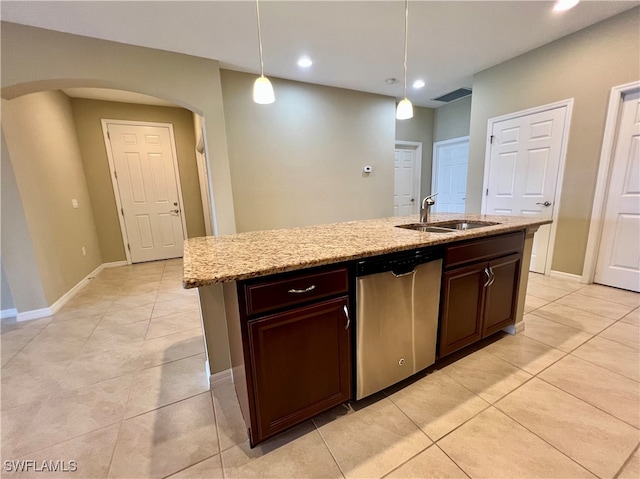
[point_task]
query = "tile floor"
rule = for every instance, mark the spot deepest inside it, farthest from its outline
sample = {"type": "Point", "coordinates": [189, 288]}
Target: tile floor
{"type": "Point", "coordinates": [116, 383]}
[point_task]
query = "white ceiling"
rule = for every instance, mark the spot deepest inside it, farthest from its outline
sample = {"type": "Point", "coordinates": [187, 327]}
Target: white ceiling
{"type": "Point", "coordinates": [354, 44]}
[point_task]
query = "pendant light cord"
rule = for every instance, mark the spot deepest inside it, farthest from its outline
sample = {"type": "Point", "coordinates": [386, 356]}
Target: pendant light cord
{"type": "Point", "coordinates": [406, 36]}
{"type": "Point", "coordinates": [260, 42]}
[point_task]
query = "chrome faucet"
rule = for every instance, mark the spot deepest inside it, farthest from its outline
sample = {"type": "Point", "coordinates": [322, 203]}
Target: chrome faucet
{"type": "Point", "coordinates": [425, 207]}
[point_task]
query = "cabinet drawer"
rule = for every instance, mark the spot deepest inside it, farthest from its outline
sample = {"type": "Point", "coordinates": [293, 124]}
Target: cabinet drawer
{"type": "Point", "coordinates": [289, 290]}
{"type": "Point", "coordinates": [484, 249]}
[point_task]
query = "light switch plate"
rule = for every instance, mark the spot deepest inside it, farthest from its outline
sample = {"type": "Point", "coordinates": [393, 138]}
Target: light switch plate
{"type": "Point", "coordinates": [74, 203]}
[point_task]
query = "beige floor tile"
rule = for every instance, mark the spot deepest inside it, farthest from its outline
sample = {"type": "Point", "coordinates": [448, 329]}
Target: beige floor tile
{"type": "Point", "coordinates": [172, 347]}
{"type": "Point", "coordinates": [173, 306]}
{"type": "Point", "coordinates": [94, 366]}
{"type": "Point", "coordinates": [631, 470]}
{"type": "Point", "coordinates": [74, 413]}
{"type": "Point", "coordinates": [437, 404]}
{"type": "Point", "coordinates": [12, 342]}
{"type": "Point", "coordinates": [165, 384]}
{"type": "Point", "coordinates": [173, 323]}
{"type": "Point", "coordinates": [298, 453]}
{"type": "Point", "coordinates": [372, 441]}
{"type": "Point", "coordinates": [232, 429]}
{"type": "Point", "coordinates": [75, 315]}
{"type": "Point", "coordinates": [119, 317]}
{"type": "Point", "coordinates": [570, 285]}
{"type": "Point", "coordinates": [574, 318]}
{"type": "Point", "coordinates": [178, 295]}
{"type": "Point", "coordinates": [89, 308]}
{"type": "Point", "coordinates": [15, 422]}
{"type": "Point", "coordinates": [11, 324]}
{"type": "Point", "coordinates": [487, 375]}
{"type": "Point", "coordinates": [615, 394]}
{"type": "Point", "coordinates": [624, 333]}
{"type": "Point", "coordinates": [547, 293]}
{"type": "Point", "coordinates": [554, 334]}
{"type": "Point", "coordinates": [601, 307]}
{"type": "Point", "coordinates": [210, 468]}
{"type": "Point", "coordinates": [428, 464]}
{"type": "Point", "coordinates": [492, 446]}
{"type": "Point", "coordinates": [613, 356]}
{"type": "Point", "coordinates": [532, 303]}
{"type": "Point", "coordinates": [90, 453]}
{"type": "Point", "coordinates": [525, 353]}
{"type": "Point", "coordinates": [595, 439]}
{"type": "Point", "coordinates": [28, 378]}
{"type": "Point", "coordinates": [614, 295]}
{"type": "Point", "coordinates": [78, 328]}
{"type": "Point", "coordinates": [115, 336]}
{"type": "Point", "coordinates": [167, 440]}
{"type": "Point", "coordinates": [133, 301]}
{"type": "Point", "coordinates": [135, 286]}
{"type": "Point", "coordinates": [632, 318]}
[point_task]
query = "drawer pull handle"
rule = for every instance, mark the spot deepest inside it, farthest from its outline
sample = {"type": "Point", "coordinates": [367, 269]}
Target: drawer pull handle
{"type": "Point", "coordinates": [301, 291]}
{"type": "Point", "coordinates": [486, 271]}
{"type": "Point", "coordinates": [346, 314]}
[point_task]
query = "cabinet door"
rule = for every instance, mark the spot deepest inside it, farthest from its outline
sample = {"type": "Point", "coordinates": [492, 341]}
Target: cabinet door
{"type": "Point", "coordinates": [502, 294]}
{"type": "Point", "coordinates": [301, 362]}
{"type": "Point", "coordinates": [462, 302]}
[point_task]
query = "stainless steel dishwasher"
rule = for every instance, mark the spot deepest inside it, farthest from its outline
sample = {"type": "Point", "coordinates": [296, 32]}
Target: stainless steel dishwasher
{"type": "Point", "coordinates": [398, 298]}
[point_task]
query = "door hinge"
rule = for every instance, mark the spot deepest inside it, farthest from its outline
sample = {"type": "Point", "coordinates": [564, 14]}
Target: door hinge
{"type": "Point", "coordinates": [108, 134]}
{"type": "Point", "coordinates": [122, 211]}
{"type": "Point", "coordinates": [486, 193]}
{"type": "Point", "coordinates": [491, 139]}
{"type": "Point", "coordinates": [129, 247]}
{"type": "Point", "coordinates": [115, 173]}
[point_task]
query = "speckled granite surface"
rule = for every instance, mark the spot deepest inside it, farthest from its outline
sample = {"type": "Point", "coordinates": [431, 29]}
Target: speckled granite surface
{"type": "Point", "coordinates": [217, 259]}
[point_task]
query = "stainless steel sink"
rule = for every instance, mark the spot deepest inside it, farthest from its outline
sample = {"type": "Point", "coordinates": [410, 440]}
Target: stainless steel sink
{"type": "Point", "coordinates": [426, 228]}
{"type": "Point", "coordinates": [464, 225]}
{"type": "Point", "coordinates": [447, 227]}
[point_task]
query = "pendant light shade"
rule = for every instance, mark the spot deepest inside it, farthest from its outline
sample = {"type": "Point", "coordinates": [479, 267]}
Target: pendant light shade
{"type": "Point", "coordinates": [263, 91]}
{"type": "Point", "coordinates": [262, 88]}
{"type": "Point", "coordinates": [404, 111]}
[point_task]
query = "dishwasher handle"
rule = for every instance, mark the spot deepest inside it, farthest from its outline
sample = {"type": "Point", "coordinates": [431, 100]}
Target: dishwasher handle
{"type": "Point", "coordinates": [400, 275]}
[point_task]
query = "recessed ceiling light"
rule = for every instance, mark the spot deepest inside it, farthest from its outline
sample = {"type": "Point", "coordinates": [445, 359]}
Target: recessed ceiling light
{"type": "Point", "coordinates": [564, 5]}
{"type": "Point", "coordinates": [418, 84]}
{"type": "Point", "coordinates": [304, 62]}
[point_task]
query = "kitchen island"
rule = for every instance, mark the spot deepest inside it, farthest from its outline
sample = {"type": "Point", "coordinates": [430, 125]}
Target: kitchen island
{"type": "Point", "coordinates": [286, 301]}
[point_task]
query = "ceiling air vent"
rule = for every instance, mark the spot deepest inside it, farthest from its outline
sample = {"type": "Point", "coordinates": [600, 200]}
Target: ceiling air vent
{"type": "Point", "coordinates": [454, 95]}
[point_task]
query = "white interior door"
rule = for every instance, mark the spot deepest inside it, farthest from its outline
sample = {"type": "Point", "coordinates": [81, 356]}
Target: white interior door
{"type": "Point", "coordinates": [145, 169]}
{"type": "Point", "coordinates": [406, 182]}
{"type": "Point", "coordinates": [523, 170]}
{"type": "Point", "coordinates": [618, 261]}
{"type": "Point", "coordinates": [449, 176]}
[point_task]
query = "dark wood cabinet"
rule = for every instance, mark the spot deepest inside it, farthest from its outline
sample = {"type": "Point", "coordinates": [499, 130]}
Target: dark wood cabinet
{"type": "Point", "coordinates": [479, 290]}
{"type": "Point", "coordinates": [291, 346]}
{"type": "Point", "coordinates": [300, 363]}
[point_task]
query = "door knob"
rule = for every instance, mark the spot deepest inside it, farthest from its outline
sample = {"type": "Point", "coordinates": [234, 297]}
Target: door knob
{"type": "Point", "coordinates": [174, 211]}
{"type": "Point", "coordinates": [546, 203]}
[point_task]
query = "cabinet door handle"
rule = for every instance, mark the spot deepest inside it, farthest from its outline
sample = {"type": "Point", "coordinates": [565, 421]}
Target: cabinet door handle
{"type": "Point", "coordinates": [301, 291]}
{"type": "Point", "coordinates": [493, 276]}
{"type": "Point", "coordinates": [346, 315]}
{"type": "Point", "coordinates": [486, 271]}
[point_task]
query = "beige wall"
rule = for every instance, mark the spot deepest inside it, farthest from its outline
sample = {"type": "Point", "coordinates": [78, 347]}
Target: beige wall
{"type": "Point", "coordinates": [87, 115]}
{"type": "Point", "coordinates": [43, 148]}
{"type": "Point", "coordinates": [18, 256]}
{"type": "Point", "coordinates": [6, 299]}
{"type": "Point", "coordinates": [583, 66]}
{"type": "Point", "coordinates": [420, 128]}
{"type": "Point", "coordinates": [299, 161]}
{"type": "Point", "coordinates": [452, 120]}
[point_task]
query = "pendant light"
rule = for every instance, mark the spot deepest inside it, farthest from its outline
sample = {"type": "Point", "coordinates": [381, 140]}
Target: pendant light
{"type": "Point", "coordinates": [405, 108]}
{"type": "Point", "coordinates": [262, 89]}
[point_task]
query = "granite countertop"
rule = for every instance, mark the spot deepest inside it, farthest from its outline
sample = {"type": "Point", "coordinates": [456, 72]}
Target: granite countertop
{"type": "Point", "coordinates": [219, 259]}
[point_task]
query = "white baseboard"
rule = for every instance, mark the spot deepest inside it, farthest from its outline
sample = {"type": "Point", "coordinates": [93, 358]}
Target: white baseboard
{"type": "Point", "coordinates": [65, 298]}
{"type": "Point", "coordinates": [8, 313]}
{"type": "Point", "coordinates": [34, 314]}
{"type": "Point", "coordinates": [563, 275]}
{"type": "Point", "coordinates": [220, 378]}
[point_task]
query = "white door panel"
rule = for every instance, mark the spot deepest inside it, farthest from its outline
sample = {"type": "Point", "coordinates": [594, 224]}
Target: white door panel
{"type": "Point", "coordinates": [406, 182]}
{"type": "Point", "coordinates": [523, 171]}
{"type": "Point", "coordinates": [148, 190]}
{"type": "Point", "coordinates": [449, 178]}
{"type": "Point", "coordinates": [618, 261]}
